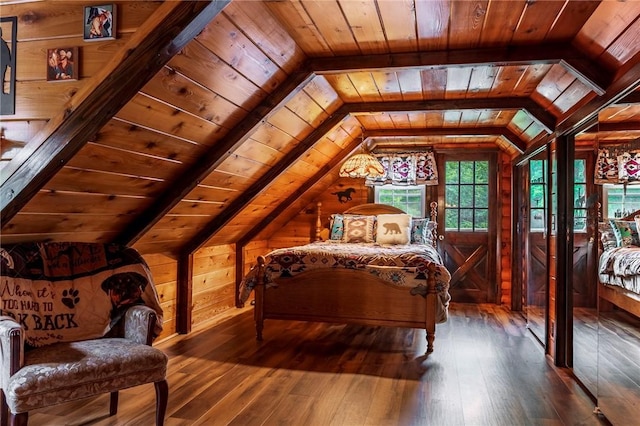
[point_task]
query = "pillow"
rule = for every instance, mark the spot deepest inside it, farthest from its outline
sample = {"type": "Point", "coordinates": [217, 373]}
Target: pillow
{"type": "Point", "coordinates": [358, 229]}
{"type": "Point", "coordinates": [336, 227]}
{"type": "Point", "coordinates": [393, 229]}
{"type": "Point", "coordinates": [422, 231]}
{"type": "Point", "coordinates": [419, 230]}
{"type": "Point", "coordinates": [431, 228]}
{"type": "Point", "coordinates": [607, 236]}
{"type": "Point", "coordinates": [626, 232]}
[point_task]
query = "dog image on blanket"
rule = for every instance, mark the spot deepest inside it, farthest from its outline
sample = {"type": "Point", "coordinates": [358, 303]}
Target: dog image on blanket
{"type": "Point", "coordinates": [124, 289]}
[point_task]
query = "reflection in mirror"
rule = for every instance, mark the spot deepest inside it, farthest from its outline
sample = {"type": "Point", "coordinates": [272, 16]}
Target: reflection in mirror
{"type": "Point", "coordinates": [536, 248]}
{"type": "Point", "coordinates": [618, 348]}
{"type": "Point", "coordinates": [585, 315]}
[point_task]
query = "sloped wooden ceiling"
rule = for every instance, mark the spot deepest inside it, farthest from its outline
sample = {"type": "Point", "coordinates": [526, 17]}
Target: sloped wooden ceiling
{"type": "Point", "coordinates": [248, 122]}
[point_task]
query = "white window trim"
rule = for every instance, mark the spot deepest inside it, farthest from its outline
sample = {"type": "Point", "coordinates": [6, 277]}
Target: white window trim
{"type": "Point", "coordinates": [422, 188]}
{"type": "Point", "coordinates": [605, 197]}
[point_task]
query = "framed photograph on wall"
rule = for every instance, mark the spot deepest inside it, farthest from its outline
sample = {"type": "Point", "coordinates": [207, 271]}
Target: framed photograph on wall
{"type": "Point", "coordinates": [8, 39]}
{"type": "Point", "coordinates": [100, 22]}
{"type": "Point", "coordinates": [62, 64]}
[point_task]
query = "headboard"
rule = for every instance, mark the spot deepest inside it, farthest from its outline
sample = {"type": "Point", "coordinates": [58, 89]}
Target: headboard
{"type": "Point", "coordinates": [375, 209]}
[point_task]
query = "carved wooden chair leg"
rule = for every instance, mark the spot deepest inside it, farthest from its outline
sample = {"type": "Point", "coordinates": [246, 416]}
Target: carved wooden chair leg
{"type": "Point", "coordinates": [162, 397]}
{"type": "Point", "coordinates": [113, 403]}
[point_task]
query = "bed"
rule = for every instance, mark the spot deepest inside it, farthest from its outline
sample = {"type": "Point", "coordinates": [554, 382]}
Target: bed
{"type": "Point", "coordinates": [619, 263]}
{"type": "Point", "coordinates": [344, 280]}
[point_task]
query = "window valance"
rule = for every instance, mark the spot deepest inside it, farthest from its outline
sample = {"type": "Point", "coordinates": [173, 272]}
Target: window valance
{"type": "Point", "coordinates": [407, 168]}
{"type": "Point", "coordinates": [617, 165]}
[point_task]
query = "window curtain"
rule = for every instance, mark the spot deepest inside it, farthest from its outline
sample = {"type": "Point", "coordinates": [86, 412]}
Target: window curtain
{"type": "Point", "coordinates": [616, 165]}
{"type": "Point", "coordinates": [407, 168]}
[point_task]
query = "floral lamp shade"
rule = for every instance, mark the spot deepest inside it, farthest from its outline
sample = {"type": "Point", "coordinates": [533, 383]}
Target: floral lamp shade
{"type": "Point", "coordinates": [362, 166]}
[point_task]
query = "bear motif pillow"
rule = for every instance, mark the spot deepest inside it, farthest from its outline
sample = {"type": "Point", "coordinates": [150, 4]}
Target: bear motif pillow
{"type": "Point", "coordinates": [393, 229]}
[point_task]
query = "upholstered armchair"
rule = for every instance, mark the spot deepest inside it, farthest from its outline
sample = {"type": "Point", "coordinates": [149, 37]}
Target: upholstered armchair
{"type": "Point", "coordinates": [68, 371]}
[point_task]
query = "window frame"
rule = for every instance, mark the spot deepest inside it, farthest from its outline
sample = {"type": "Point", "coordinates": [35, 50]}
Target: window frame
{"type": "Point", "coordinates": [475, 208]}
{"type": "Point", "coordinates": [605, 198]}
{"type": "Point", "coordinates": [423, 196]}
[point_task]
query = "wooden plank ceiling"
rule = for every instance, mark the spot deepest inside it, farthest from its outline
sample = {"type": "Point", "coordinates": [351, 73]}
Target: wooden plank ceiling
{"type": "Point", "coordinates": [252, 112]}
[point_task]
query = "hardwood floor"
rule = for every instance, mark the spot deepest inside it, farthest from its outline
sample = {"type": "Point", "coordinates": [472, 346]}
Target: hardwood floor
{"type": "Point", "coordinates": [486, 370]}
{"type": "Point", "coordinates": [619, 366]}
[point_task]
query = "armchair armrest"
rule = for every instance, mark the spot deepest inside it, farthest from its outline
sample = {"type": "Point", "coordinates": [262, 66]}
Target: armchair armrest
{"type": "Point", "coordinates": [139, 323]}
{"type": "Point", "coordinates": [11, 348]}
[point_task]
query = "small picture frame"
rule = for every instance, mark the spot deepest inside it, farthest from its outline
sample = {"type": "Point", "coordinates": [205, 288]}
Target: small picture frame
{"type": "Point", "coordinates": [99, 22]}
{"type": "Point", "coordinates": [62, 64]}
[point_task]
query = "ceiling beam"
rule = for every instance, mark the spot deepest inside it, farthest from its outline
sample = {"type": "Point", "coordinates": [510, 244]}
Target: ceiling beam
{"type": "Point", "coordinates": [299, 192]}
{"type": "Point", "coordinates": [582, 68]}
{"type": "Point", "coordinates": [221, 150]}
{"type": "Point", "coordinates": [236, 206]}
{"type": "Point", "coordinates": [623, 126]}
{"type": "Point", "coordinates": [215, 156]}
{"type": "Point", "coordinates": [631, 98]}
{"type": "Point", "coordinates": [621, 88]}
{"type": "Point", "coordinates": [157, 40]}
{"type": "Point", "coordinates": [545, 118]}
{"type": "Point", "coordinates": [257, 187]}
{"type": "Point", "coordinates": [509, 135]}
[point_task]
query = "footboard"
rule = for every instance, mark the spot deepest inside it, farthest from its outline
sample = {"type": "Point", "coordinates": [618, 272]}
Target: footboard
{"type": "Point", "coordinates": [346, 296]}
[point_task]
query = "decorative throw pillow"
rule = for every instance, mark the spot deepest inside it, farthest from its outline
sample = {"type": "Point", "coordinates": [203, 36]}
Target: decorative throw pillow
{"type": "Point", "coordinates": [607, 236]}
{"type": "Point", "coordinates": [358, 229]}
{"type": "Point", "coordinates": [336, 226]}
{"type": "Point", "coordinates": [393, 229]}
{"type": "Point", "coordinates": [429, 237]}
{"type": "Point", "coordinates": [626, 233]}
{"type": "Point", "coordinates": [419, 230]}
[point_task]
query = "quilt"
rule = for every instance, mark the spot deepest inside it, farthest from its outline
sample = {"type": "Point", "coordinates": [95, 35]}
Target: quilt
{"type": "Point", "coordinates": [60, 292]}
{"type": "Point", "coordinates": [399, 265]}
{"type": "Point", "coordinates": [621, 266]}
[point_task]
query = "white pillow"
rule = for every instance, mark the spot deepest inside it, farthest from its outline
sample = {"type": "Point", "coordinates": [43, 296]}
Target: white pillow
{"type": "Point", "coordinates": [393, 229]}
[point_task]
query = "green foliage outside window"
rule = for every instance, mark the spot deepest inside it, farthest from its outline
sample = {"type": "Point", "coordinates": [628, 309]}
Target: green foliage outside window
{"type": "Point", "coordinates": [466, 195]}
{"type": "Point", "coordinates": [408, 198]}
{"type": "Point", "coordinates": [580, 195]}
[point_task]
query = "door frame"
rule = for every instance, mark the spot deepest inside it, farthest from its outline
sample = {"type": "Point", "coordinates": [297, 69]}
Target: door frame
{"type": "Point", "coordinates": [493, 261]}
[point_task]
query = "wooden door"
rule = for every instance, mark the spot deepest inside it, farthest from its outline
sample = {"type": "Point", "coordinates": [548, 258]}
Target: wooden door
{"type": "Point", "coordinates": [468, 204]}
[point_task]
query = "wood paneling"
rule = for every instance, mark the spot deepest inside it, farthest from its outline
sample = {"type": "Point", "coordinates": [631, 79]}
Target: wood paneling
{"type": "Point", "coordinates": [204, 139]}
{"type": "Point", "coordinates": [164, 271]}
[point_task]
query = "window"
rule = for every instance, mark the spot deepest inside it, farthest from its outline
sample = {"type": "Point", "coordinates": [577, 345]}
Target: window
{"type": "Point", "coordinates": [467, 196]}
{"type": "Point", "coordinates": [580, 195]}
{"type": "Point", "coordinates": [538, 192]}
{"type": "Point", "coordinates": [410, 199]}
{"type": "Point", "coordinates": [620, 201]}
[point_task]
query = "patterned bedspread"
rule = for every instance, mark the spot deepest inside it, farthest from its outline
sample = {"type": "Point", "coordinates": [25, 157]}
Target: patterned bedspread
{"type": "Point", "coordinates": [399, 265]}
{"type": "Point", "coordinates": [621, 266]}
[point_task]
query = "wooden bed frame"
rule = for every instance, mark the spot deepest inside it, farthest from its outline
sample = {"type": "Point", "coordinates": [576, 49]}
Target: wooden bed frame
{"type": "Point", "coordinates": [348, 296]}
{"type": "Point", "coordinates": [613, 295]}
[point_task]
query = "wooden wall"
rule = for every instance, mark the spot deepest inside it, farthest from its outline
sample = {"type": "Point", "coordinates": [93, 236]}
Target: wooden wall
{"type": "Point", "coordinates": [165, 275]}
{"type": "Point", "coordinates": [301, 229]}
{"type": "Point", "coordinates": [48, 25]}
{"type": "Point", "coordinates": [214, 273]}
{"type": "Point", "coordinates": [505, 234]}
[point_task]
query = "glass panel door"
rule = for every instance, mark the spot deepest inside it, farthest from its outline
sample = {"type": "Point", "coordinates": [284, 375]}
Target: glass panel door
{"type": "Point", "coordinates": [536, 246]}
{"type": "Point", "coordinates": [585, 316]}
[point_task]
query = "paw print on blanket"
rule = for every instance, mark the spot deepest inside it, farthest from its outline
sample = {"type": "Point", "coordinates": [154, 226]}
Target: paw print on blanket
{"type": "Point", "coordinates": [70, 298]}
